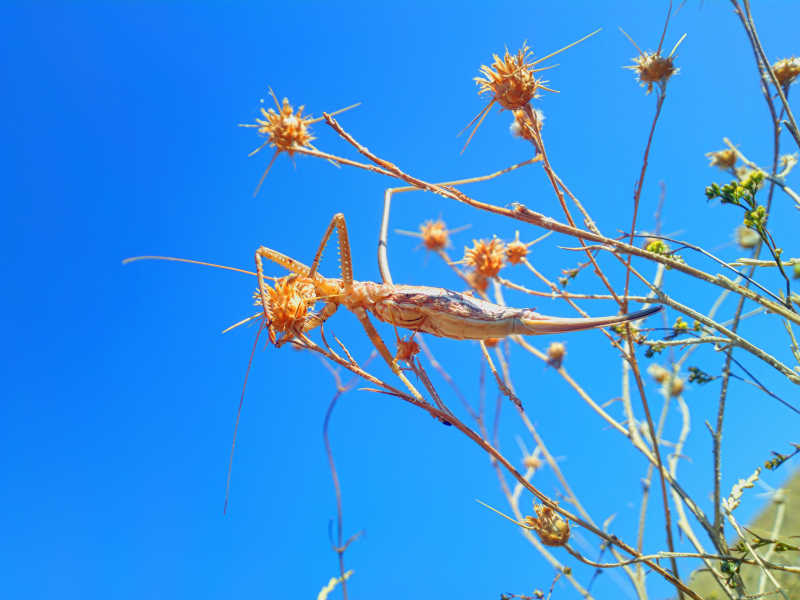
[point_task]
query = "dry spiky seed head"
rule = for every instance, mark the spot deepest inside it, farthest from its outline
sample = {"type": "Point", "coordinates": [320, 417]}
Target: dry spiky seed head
{"type": "Point", "coordinates": [285, 130]}
{"type": "Point", "coordinates": [556, 352]}
{"type": "Point", "coordinates": [487, 257]}
{"type": "Point", "coordinates": [406, 349]}
{"type": "Point", "coordinates": [786, 70]}
{"type": "Point", "coordinates": [552, 528]}
{"type": "Point", "coordinates": [652, 68]}
{"type": "Point", "coordinates": [510, 80]}
{"type": "Point", "coordinates": [516, 251]}
{"type": "Point", "coordinates": [289, 302]}
{"type": "Point", "coordinates": [724, 159]}
{"type": "Point", "coordinates": [434, 235]}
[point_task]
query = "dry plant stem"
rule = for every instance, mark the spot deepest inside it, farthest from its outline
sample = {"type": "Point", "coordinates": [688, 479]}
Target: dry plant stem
{"type": "Point", "coordinates": [734, 338]}
{"type": "Point", "coordinates": [554, 181]}
{"type": "Point", "coordinates": [631, 434]}
{"type": "Point", "coordinates": [545, 222]}
{"type": "Point", "coordinates": [495, 454]}
{"type": "Point", "coordinates": [764, 65]}
{"type": "Point", "coordinates": [341, 546]}
{"type": "Point", "coordinates": [522, 213]}
{"type": "Point", "coordinates": [648, 479]}
{"type": "Point", "coordinates": [513, 502]}
{"type": "Point", "coordinates": [656, 450]}
{"type": "Point", "coordinates": [758, 560]}
{"type": "Point", "coordinates": [383, 240]}
{"type": "Point", "coordinates": [716, 436]}
{"type": "Point", "coordinates": [780, 512]}
{"type": "Point", "coordinates": [661, 555]}
{"type": "Point", "coordinates": [683, 522]}
{"type": "Point", "coordinates": [446, 376]}
{"type": "Point", "coordinates": [640, 182]}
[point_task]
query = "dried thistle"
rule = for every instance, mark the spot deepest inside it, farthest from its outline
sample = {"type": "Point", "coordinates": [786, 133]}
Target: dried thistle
{"type": "Point", "coordinates": [406, 349]}
{"type": "Point", "coordinates": [552, 528]}
{"type": "Point", "coordinates": [434, 234]}
{"type": "Point", "coordinates": [511, 81]}
{"type": "Point", "coordinates": [724, 159]}
{"type": "Point", "coordinates": [652, 67]}
{"type": "Point", "coordinates": [286, 130]}
{"type": "Point", "coordinates": [289, 302]}
{"type": "Point", "coordinates": [486, 257]}
{"type": "Point", "coordinates": [786, 70]}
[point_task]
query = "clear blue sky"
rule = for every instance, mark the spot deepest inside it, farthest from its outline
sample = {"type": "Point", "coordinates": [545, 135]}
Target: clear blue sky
{"type": "Point", "coordinates": [120, 138]}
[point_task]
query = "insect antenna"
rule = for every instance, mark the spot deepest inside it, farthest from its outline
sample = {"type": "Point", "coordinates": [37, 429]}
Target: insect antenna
{"type": "Point", "coordinates": [238, 415]}
{"type": "Point", "coordinates": [190, 261]}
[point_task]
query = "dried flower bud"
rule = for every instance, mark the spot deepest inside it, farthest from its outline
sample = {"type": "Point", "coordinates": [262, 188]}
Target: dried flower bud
{"type": "Point", "coordinates": [674, 386]}
{"type": "Point", "coordinates": [724, 159]}
{"type": "Point", "coordinates": [746, 237]}
{"type": "Point", "coordinates": [521, 126]}
{"type": "Point", "coordinates": [487, 257]}
{"type": "Point", "coordinates": [658, 373]}
{"type": "Point", "coordinates": [786, 70]}
{"type": "Point", "coordinates": [556, 352]}
{"type": "Point", "coordinates": [552, 528]}
{"type": "Point", "coordinates": [434, 235]}
{"type": "Point", "coordinates": [532, 462]}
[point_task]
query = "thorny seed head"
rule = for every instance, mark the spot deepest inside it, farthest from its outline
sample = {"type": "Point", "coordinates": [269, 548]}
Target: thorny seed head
{"type": "Point", "coordinates": [434, 235]}
{"type": "Point", "coordinates": [552, 528]}
{"type": "Point", "coordinates": [786, 70]}
{"type": "Point", "coordinates": [285, 130]}
{"type": "Point", "coordinates": [652, 67]}
{"type": "Point", "coordinates": [289, 302]}
{"type": "Point", "coordinates": [556, 352]}
{"type": "Point", "coordinates": [516, 251]}
{"type": "Point", "coordinates": [724, 159]}
{"type": "Point", "coordinates": [406, 349]}
{"type": "Point", "coordinates": [510, 80]}
{"type": "Point", "coordinates": [487, 257]}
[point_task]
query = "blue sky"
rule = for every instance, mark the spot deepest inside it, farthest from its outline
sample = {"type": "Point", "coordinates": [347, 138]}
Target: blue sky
{"type": "Point", "coordinates": [121, 139]}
